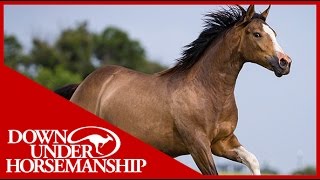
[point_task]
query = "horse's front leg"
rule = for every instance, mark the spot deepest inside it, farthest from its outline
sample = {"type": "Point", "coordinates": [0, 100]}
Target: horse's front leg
{"type": "Point", "coordinates": [198, 145]}
{"type": "Point", "coordinates": [230, 148]}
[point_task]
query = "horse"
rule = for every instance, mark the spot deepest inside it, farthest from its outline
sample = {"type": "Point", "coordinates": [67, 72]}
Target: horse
{"type": "Point", "coordinates": [189, 108]}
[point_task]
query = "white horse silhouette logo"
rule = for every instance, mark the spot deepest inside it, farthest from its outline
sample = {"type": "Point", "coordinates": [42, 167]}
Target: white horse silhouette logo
{"type": "Point", "coordinates": [97, 139]}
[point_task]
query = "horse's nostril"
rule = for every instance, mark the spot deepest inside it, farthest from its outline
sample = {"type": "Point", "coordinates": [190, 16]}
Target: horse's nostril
{"type": "Point", "coordinates": [283, 63]}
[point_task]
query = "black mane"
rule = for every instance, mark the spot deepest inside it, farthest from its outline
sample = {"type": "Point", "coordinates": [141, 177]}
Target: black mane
{"type": "Point", "coordinates": [215, 24]}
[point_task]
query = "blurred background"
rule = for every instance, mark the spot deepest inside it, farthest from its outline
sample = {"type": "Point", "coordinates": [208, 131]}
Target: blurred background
{"type": "Point", "coordinates": [60, 44]}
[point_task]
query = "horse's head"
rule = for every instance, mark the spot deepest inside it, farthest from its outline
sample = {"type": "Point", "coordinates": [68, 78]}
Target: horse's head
{"type": "Point", "coordinates": [258, 43]}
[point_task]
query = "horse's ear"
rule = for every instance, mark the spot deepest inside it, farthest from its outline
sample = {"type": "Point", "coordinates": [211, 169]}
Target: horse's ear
{"type": "Point", "coordinates": [247, 15]}
{"type": "Point", "coordinates": [265, 13]}
{"type": "Point", "coordinates": [250, 12]}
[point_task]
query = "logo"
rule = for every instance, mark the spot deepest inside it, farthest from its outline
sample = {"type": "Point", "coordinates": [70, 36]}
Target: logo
{"type": "Point", "coordinates": [83, 150]}
{"type": "Point", "coordinates": [97, 140]}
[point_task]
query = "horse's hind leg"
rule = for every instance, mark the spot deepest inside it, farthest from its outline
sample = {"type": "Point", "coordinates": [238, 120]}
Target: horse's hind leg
{"type": "Point", "coordinates": [231, 149]}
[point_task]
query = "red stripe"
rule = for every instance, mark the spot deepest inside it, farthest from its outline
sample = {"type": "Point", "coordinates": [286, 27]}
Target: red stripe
{"type": "Point", "coordinates": [317, 87]}
{"type": "Point", "coordinates": [158, 2]}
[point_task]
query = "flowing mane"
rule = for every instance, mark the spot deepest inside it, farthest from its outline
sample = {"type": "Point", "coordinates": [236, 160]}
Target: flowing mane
{"type": "Point", "coordinates": [215, 24]}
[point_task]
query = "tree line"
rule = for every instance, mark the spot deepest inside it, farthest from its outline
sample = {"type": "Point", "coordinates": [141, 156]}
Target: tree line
{"type": "Point", "coordinates": [76, 53]}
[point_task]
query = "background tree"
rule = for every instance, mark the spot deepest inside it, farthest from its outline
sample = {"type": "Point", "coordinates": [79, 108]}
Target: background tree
{"type": "Point", "coordinates": [44, 55]}
{"type": "Point", "coordinates": [13, 54]}
{"type": "Point", "coordinates": [12, 51]}
{"type": "Point", "coordinates": [76, 47]}
{"type": "Point", "coordinates": [113, 46]}
{"type": "Point", "coordinates": [308, 170]}
{"type": "Point", "coordinates": [56, 77]}
{"type": "Point", "coordinates": [268, 170]}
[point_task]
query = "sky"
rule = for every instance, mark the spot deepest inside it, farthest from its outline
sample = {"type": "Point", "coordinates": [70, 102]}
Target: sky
{"type": "Point", "coordinates": [277, 116]}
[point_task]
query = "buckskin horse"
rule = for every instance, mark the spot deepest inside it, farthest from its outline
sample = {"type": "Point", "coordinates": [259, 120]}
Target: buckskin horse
{"type": "Point", "coordinates": [189, 108]}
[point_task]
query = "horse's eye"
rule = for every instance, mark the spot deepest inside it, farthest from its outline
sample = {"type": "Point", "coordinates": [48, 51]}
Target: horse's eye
{"type": "Point", "coordinates": [257, 35]}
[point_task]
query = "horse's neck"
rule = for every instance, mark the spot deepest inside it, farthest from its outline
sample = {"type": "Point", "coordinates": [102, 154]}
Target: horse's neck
{"type": "Point", "coordinates": [218, 68]}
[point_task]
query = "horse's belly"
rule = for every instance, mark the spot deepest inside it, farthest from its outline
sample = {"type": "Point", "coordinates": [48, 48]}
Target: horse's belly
{"type": "Point", "coordinates": [147, 121]}
{"type": "Point", "coordinates": [160, 135]}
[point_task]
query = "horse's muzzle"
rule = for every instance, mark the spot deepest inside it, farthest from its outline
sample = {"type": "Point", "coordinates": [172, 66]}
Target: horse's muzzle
{"type": "Point", "coordinates": [280, 64]}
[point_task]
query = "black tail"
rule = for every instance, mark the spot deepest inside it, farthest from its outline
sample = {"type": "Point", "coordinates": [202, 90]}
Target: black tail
{"type": "Point", "coordinates": [67, 91]}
